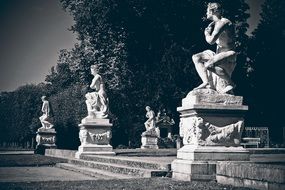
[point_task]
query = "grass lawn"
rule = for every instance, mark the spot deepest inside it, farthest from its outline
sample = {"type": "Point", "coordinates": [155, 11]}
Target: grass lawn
{"type": "Point", "coordinates": [28, 160]}
{"type": "Point", "coordinates": [132, 184]}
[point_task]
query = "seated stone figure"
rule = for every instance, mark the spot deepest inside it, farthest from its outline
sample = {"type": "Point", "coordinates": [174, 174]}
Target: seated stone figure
{"type": "Point", "coordinates": [45, 117]}
{"type": "Point", "coordinates": [97, 101]}
{"type": "Point", "coordinates": [215, 69]}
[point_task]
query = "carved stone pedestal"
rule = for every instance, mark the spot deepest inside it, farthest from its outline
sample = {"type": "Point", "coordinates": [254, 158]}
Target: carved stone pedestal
{"type": "Point", "coordinates": [211, 125]}
{"type": "Point", "coordinates": [149, 140]}
{"type": "Point", "coordinates": [95, 135]}
{"type": "Point", "coordinates": [46, 137]}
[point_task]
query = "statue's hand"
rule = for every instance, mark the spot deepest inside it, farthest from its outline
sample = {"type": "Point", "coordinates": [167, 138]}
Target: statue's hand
{"type": "Point", "coordinates": [209, 28]}
{"type": "Point", "coordinates": [209, 65]}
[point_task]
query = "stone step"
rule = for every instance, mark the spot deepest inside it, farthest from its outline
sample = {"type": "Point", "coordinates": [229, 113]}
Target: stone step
{"type": "Point", "coordinates": [131, 162]}
{"type": "Point", "coordinates": [121, 169]}
{"type": "Point", "coordinates": [99, 174]}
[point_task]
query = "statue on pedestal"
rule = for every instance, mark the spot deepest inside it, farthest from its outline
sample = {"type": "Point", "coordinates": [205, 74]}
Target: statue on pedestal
{"type": "Point", "coordinates": [149, 137]}
{"type": "Point", "coordinates": [97, 101]}
{"type": "Point", "coordinates": [95, 129]}
{"type": "Point", "coordinates": [45, 117]}
{"type": "Point", "coordinates": [46, 135]}
{"type": "Point", "coordinates": [215, 69]}
{"type": "Point", "coordinates": [212, 119]}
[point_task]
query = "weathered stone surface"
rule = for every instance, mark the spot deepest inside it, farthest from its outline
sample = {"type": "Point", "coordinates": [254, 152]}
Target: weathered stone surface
{"type": "Point", "coordinates": [211, 119]}
{"type": "Point", "coordinates": [252, 175]}
{"type": "Point", "coordinates": [60, 153]}
{"type": "Point", "coordinates": [212, 153]}
{"type": "Point", "coordinates": [46, 137]}
{"type": "Point", "coordinates": [197, 131]}
{"type": "Point", "coordinates": [187, 170]}
{"type": "Point", "coordinates": [46, 130]}
{"type": "Point", "coordinates": [211, 125]}
{"type": "Point", "coordinates": [95, 135]}
{"type": "Point", "coordinates": [149, 142]}
{"type": "Point", "coordinates": [253, 171]}
{"type": "Point", "coordinates": [93, 121]}
{"type": "Point", "coordinates": [209, 96]}
{"type": "Point", "coordinates": [149, 139]}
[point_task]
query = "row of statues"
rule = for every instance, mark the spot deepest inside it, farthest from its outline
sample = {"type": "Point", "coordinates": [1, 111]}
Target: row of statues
{"type": "Point", "coordinates": [214, 68]}
{"type": "Point", "coordinates": [96, 101]}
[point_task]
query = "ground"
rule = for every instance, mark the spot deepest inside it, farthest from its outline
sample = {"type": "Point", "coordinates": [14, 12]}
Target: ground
{"type": "Point", "coordinates": [38, 172]}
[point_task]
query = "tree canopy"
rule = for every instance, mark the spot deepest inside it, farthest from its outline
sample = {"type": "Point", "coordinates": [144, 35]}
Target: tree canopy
{"type": "Point", "coordinates": [143, 49]}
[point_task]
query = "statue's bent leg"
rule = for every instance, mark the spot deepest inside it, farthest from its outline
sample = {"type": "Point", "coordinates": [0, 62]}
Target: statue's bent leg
{"type": "Point", "coordinates": [199, 59]}
{"type": "Point", "coordinates": [224, 64]}
{"type": "Point", "coordinates": [222, 58]}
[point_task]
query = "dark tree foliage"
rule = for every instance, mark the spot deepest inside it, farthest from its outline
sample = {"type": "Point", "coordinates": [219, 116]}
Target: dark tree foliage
{"type": "Point", "coordinates": [266, 56]}
{"type": "Point", "coordinates": [143, 49]}
{"type": "Point", "coordinates": [19, 112]}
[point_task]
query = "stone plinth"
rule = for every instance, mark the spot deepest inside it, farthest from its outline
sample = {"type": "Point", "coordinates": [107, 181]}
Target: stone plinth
{"type": "Point", "coordinates": [46, 137]}
{"type": "Point", "coordinates": [211, 125]}
{"type": "Point", "coordinates": [251, 175]}
{"type": "Point", "coordinates": [95, 135]}
{"type": "Point", "coordinates": [149, 139]}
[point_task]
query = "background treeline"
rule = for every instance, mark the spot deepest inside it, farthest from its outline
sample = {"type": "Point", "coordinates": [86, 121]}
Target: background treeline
{"type": "Point", "coordinates": [143, 49]}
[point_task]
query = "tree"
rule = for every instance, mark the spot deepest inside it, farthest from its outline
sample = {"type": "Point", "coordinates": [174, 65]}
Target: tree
{"type": "Point", "coordinates": [18, 109]}
{"type": "Point", "coordinates": [144, 49]}
{"type": "Point", "coordinates": [266, 55]}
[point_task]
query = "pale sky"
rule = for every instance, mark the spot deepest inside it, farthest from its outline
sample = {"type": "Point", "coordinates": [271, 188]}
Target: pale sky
{"type": "Point", "coordinates": [32, 33]}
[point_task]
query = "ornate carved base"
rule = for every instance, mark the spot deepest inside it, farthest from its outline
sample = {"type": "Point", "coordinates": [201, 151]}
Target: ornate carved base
{"type": "Point", "coordinates": [211, 126]}
{"type": "Point", "coordinates": [46, 137]}
{"type": "Point", "coordinates": [149, 140]}
{"type": "Point", "coordinates": [95, 135]}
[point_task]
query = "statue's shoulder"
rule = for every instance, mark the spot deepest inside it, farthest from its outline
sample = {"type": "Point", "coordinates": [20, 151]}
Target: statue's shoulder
{"type": "Point", "coordinates": [226, 21]}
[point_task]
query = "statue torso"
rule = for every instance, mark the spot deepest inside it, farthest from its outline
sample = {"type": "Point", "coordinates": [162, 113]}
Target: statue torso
{"type": "Point", "coordinates": [226, 40]}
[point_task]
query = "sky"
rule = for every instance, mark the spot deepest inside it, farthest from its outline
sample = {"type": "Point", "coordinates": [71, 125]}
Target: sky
{"type": "Point", "coordinates": [33, 31]}
{"type": "Point", "coordinates": [31, 35]}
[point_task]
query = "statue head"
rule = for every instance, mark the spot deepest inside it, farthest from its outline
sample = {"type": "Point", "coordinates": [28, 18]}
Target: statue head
{"type": "Point", "coordinates": [213, 9]}
{"type": "Point", "coordinates": [43, 98]}
{"type": "Point", "coordinates": [94, 69]}
{"type": "Point", "coordinates": [147, 108]}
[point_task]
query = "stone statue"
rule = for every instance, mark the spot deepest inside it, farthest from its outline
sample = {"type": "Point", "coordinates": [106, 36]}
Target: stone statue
{"type": "Point", "coordinates": [45, 117]}
{"type": "Point", "coordinates": [149, 137]}
{"type": "Point", "coordinates": [150, 122]}
{"type": "Point", "coordinates": [215, 69]}
{"type": "Point", "coordinates": [97, 101]}
{"type": "Point", "coordinates": [163, 121]}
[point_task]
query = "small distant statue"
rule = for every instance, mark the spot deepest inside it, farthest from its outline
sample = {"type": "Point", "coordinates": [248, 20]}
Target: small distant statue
{"type": "Point", "coordinates": [215, 69]}
{"type": "Point", "coordinates": [97, 101]}
{"type": "Point", "coordinates": [164, 121]}
{"type": "Point", "coordinates": [46, 113]}
{"type": "Point", "coordinates": [150, 122]}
